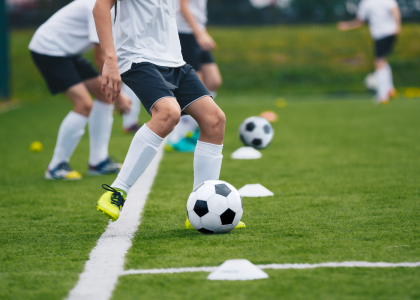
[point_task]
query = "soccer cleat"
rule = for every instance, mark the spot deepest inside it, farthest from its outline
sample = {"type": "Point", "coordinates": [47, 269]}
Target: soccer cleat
{"type": "Point", "coordinates": [184, 145]}
{"type": "Point", "coordinates": [106, 167]}
{"type": "Point", "coordinates": [188, 225]}
{"type": "Point", "coordinates": [193, 136]}
{"type": "Point", "coordinates": [62, 172]}
{"type": "Point", "coordinates": [132, 129]}
{"type": "Point", "coordinates": [112, 202]}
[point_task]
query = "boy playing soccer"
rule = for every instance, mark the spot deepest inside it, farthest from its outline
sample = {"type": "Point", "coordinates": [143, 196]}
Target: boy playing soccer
{"type": "Point", "coordinates": [147, 54]}
{"type": "Point", "coordinates": [384, 19]}
{"type": "Point", "coordinates": [56, 49]}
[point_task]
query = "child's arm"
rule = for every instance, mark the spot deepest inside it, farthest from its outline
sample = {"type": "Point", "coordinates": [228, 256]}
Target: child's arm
{"type": "Point", "coordinates": [350, 25]}
{"type": "Point", "coordinates": [397, 16]}
{"type": "Point", "coordinates": [111, 79]}
{"type": "Point", "coordinates": [204, 40]}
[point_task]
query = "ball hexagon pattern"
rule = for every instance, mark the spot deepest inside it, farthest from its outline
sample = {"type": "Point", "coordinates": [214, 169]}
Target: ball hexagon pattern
{"type": "Point", "coordinates": [256, 132]}
{"type": "Point", "coordinates": [214, 206]}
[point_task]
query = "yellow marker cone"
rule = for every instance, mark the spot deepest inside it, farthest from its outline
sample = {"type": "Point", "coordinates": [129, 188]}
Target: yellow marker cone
{"type": "Point", "coordinates": [281, 102]}
{"type": "Point", "coordinates": [36, 147]}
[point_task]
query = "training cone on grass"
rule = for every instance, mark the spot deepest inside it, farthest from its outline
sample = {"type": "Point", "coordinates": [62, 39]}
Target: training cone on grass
{"type": "Point", "coordinates": [237, 269]}
{"type": "Point", "coordinates": [246, 153]}
{"type": "Point", "coordinates": [254, 190]}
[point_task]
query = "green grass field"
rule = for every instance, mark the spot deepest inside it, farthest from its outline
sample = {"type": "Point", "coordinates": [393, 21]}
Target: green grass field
{"type": "Point", "coordinates": [345, 178]}
{"type": "Point", "coordinates": [345, 175]}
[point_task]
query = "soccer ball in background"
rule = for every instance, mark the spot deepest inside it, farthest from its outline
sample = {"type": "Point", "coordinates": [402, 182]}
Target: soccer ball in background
{"type": "Point", "coordinates": [256, 132]}
{"type": "Point", "coordinates": [370, 82]}
{"type": "Point", "coordinates": [214, 206]}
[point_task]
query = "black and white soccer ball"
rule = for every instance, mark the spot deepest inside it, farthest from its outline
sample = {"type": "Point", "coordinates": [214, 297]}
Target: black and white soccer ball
{"type": "Point", "coordinates": [214, 206]}
{"type": "Point", "coordinates": [370, 82]}
{"type": "Point", "coordinates": [256, 132]}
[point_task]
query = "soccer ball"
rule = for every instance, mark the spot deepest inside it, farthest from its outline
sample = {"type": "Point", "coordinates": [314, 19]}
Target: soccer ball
{"type": "Point", "coordinates": [370, 82]}
{"type": "Point", "coordinates": [214, 206]}
{"type": "Point", "coordinates": [256, 132]}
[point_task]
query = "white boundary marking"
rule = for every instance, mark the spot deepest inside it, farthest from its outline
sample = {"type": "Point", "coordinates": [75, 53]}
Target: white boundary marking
{"type": "Point", "coordinates": [106, 261]}
{"type": "Point", "coordinates": [346, 264]}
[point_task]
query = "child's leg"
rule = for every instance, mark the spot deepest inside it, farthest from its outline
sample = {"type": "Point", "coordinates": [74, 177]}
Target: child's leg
{"type": "Point", "coordinates": [73, 126]}
{"type": "Point", "coordinates": [131, 118]}
{"type": "Point", "coordinates": [145, 144]}
{"type": "Point", "coordinates": [381, 75]}
{"type": "Point", "coordinates": [100, 126]}
{"type": "Point", "coordinates": [210, 75]}
{"type": "Point", "coordinates": [208, 153]}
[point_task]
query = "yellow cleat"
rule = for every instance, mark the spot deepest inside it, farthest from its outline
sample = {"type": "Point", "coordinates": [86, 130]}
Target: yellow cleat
{"type": "Point", "coordinates": [62, 172]}
{"type": "Point", "coordinates": [73, 175]}
{"type": "Point", "coordinates": [112, 202]}
{"type": "Point", "coordinates": [188, 225]}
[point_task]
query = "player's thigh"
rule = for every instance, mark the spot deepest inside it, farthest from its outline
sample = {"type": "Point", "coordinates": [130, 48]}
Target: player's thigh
{"type": "Point", "coordinates": [211, 75]}
{"type": "Point", "coordinates": [207, 113]}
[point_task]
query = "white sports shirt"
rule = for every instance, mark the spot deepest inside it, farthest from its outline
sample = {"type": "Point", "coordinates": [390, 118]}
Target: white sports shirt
{"type": "Point", "coordinates": [198, 9]}
{"type": "Point", "coordinates": [146, 31]}
{"type": "Point", "coordinates": [70, 31]}
{"type": "Point", "coordinates": [379, 15]}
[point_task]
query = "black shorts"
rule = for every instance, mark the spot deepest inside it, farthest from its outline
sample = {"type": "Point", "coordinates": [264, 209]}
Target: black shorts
{"type": "Point", "coordinates": [384, 46]}
{"type": "Point", "coordinates": [61, 72]}
{"type": "Point", "coordinates": [151, 83]}
{"type": "Point", "coordinates": [192, 53]}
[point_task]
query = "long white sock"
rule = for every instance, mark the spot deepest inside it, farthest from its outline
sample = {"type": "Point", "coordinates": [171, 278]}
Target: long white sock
{"type": "Point", "coordinates": [71, 131]}
{"type": "Point", "coordinates": [389, 76]}
{"type": "Point", "coordinates": [186, 124]}
{"type": "Point", "coordinates": [207, 162]}
{"type": "Point", "coordinates": [142, 150]}
{"type": "Point", "coordinates": [382, 84]}
{"type": "Point", "coordinates": [100, 126]}
{"type": "Point", "coordinates": [131, 118]}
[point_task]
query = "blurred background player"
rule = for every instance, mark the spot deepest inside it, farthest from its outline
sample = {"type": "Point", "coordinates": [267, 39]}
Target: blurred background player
{"type": "Point", "coordinates": [131, 119]}
{"type": "Point", "coordinates": [384, 20]}
{"type": "Point", "coordinates": [196, 45]}
{"type": "Point", "coordinates": [56, 49]}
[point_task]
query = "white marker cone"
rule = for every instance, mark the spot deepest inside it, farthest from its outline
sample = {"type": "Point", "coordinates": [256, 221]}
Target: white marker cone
{"type": "Point", "coordinates": [254, 190]}
{"type": "Point", "coordinates": [246, 153]}
{"type": "Point", "coordinates": [237, 269]}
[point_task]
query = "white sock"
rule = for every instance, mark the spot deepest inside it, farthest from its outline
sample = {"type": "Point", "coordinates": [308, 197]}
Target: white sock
{"type": "Point", "coordinates": [186, 124]}
{"type": "Point", "coordinates": [207, 162]}
{"type": "Point", "coordinates": [389, 76]}
{"type": "Point", "coordinates": [100, 126]}
{"type": "Point", "coordinates": [131, 118]}
{"type": "Point", "coordinates": [213, 94]}
{"type": "Point", "coordinates": [142, 150]}
{"type": "Point", "coordinates": [382, 84]}
{"type": "Point", "coordinates": [71, 131]}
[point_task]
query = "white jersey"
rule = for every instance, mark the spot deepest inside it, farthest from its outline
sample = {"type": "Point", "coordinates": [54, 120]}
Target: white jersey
{"type": "Point", "coordinates": [379, 15]}
{"type": "Point", "coordinates": [198, 9]}
{"type": "Point", "coordinates": [146, 31]}
{"type": "Point", "coordinates": [70, 31]}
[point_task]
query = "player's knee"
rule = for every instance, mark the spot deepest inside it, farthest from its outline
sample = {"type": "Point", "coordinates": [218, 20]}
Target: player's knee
{"type": "Point", "coordinates": [216, 122]}
{"type": "Point", "coordinates": [170, 117]}
{"type": "Point", "coordinates": [84, 108]}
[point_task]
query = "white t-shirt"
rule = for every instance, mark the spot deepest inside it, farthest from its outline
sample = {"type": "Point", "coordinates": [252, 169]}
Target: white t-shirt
{"type": "Point", "coordinates": [379, 15]}
{"type": "Point", "coordinates": [198, 9]}
{"type": "Point", "coordinates": [145, 31]}
{"type": "Point", "coordinates": [70, 31]}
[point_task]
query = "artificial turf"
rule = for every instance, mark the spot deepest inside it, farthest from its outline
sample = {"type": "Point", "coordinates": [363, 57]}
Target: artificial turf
{"type": "Point", "coordinates": [345, 175]}
{"type": "Point", "coordinates": [345, 178]}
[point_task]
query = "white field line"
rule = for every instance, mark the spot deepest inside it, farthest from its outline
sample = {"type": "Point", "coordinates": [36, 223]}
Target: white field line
{"type": "Point", "coordinates": [106, 260]}
{"type": "Point", "coordinates": [346, 264]}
